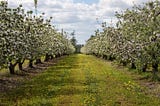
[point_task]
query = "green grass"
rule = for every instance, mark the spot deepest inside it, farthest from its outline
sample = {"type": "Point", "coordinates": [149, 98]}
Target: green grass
{"type": "Point", "coordinates": [80, 80]}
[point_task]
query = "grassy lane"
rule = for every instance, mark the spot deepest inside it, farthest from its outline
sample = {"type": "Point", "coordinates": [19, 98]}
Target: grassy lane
{"type": "Point", "coordinates": [80, 80]}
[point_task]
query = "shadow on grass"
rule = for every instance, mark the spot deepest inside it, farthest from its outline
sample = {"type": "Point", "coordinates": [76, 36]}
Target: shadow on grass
{"type": "Point", "coordinates": [52, 83]}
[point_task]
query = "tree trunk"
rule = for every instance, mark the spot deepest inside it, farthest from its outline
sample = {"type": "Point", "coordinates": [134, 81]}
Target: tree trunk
{"type": "Point", "coordinates": [52, 57]}
{"type": "Point", "coordinates": [155, 68]}
{"type": "Point", "coordinates": [111, 58]}
{"type": "Point", "coordinates": [46, 57]}
{"type": "Point", "coordinates": [31, 63]}
{"type": "Point", "coordinates": [20, 64]}
{"type": "Point", "coordinates": [12, 68]}
{"type": "Point", "coordinates": [58, 55]}
{"type": "Point", "coordinates": [38, 61]}
{"type": "Point", "coordinates": [123, 63]}
{"type": "Point", "coordinates": [133, 66]}
{"type": "Point", "coordinates": [105, 57]}
{"type": "Point", "coordinates": [144, 68]}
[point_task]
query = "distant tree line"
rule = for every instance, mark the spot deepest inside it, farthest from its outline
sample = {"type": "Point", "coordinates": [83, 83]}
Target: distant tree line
{"type": "Point", "coordinates": [74, 43]}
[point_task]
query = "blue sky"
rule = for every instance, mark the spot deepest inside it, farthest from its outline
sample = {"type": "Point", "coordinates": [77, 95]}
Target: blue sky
{"type": "Point", "coordinates": [79, 15]}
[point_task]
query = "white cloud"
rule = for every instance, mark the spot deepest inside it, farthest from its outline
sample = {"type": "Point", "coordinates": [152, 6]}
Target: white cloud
{"type": "Point", "coordinates": [81, 17]}
{"type": "Point", "coordinates": [131, 2]}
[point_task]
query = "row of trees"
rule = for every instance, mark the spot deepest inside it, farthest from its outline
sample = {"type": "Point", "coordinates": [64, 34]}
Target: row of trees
{"type": "Point", "coordinates": [24, 35]}
{"type": "Point", "coordinates": [135, 40]}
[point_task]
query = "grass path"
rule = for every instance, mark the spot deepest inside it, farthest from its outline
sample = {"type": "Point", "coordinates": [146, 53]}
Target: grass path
{"type": "Point", "coordinates": [80, 80]}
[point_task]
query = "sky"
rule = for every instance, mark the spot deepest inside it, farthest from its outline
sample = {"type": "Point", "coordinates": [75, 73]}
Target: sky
{"type": "Point", "coordinates": [81, 16]}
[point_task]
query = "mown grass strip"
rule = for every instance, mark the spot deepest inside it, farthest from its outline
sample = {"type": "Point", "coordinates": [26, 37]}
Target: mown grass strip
{"type": "Point", "coordinates": [80, 80]}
